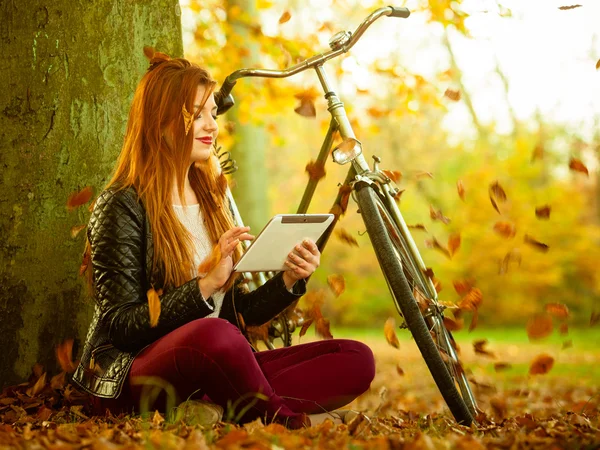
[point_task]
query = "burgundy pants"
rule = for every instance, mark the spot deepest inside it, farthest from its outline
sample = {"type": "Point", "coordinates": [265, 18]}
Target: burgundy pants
{"type": "Point", "coordinates": [211, 358]}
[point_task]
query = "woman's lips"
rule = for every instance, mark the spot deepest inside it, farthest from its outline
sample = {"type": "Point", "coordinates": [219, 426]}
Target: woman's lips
{"type": "Point", "coordinates": [205, 140]}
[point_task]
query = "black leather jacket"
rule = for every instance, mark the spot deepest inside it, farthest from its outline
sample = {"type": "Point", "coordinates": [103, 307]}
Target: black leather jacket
{"type": "Point", "coordinates": [121, 258]}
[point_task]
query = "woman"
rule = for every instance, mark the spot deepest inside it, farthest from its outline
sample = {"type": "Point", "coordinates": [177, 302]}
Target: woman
{"type": "Point", "coordinates": [164, 225]}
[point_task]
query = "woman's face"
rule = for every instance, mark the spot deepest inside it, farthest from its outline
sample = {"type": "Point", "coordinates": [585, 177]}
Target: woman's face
{"type": "Point", "coordinates": [205, 127]}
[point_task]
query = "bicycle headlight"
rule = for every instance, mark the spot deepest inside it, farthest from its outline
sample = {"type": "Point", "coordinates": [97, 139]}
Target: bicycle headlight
{"type": "Point", "coordinates": [347, 151]}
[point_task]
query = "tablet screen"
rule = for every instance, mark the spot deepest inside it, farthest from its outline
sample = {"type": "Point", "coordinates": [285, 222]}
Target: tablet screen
{"type": "Point", "coordinates": [278, 238]}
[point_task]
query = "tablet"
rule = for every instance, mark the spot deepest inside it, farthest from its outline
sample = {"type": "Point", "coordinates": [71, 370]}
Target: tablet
{"type": "Point", "coordinates": [271, 247]}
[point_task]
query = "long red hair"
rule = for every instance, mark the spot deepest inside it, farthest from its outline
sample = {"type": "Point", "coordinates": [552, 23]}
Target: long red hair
{"type": "Point", "coordinates": [148, 164]}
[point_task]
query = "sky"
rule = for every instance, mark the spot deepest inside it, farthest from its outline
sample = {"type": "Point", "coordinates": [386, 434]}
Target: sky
{"type": "Point", "coordinates": [548, 56]}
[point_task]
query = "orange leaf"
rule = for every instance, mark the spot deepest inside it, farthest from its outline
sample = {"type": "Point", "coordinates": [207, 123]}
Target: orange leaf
{"type": "Point", "coordinates": [79, 198]}
{"type": "Point", "coordinates": [479, 345]}
{"type": "Point", "coordinates": [393, 175]}
{"type": "Point", "coordinates": [38, 387]}
{"type": "Point", "coordinates": [594, 318]}
{"type": "Point", "coordinates": [64, 355]}
{"type": "Point", "coordinates": [85, 261]}
{"type": "Point", "coordinates": [418, 226]}
{"type": "Point", "coordinates": [346, 237]}
{"type": "Point", "coordinates": [558, 310]}
{"type": "Point", "coordinates": [536, 244]}
{"type": "Point", "coordinates": [399, 370]}
{"type": "Point", "coordinates": [543, 212]}
{"type": "Point", "coordinates": [423, 174]}
{"type": "Point", "coordinates": [452, 94]}
{"type": "Point", "coordinates": [389, 329]}
{"type": "Point", "coordinates": [474, 320]}
{"type": "Point", "coordinates": [437, 246]}
{"type": "Point", "coordinates": [598, 65]}
{"type": "Point", "coordinates": [337, 284]}
{"type": "Point", "coordinates": [453, 325]}
{"type": "Point", "coordinates": [501, 366]}
{"type": "Point", "coordinates": [315, 171]}
{"type": "Point", "coordinates": [541, 364]}
{"type": "Point", "coordinates": [59, 381]}
{"type": "Point", "coordinates": [453, 243]}
{"type": "Point", "coordinates": [437, 215]}
{"type": "Point", "coordinates": [153, 306]}
{"type": "Point", "coordinates": [286, 16]}
{"type": "Point", "coordinates": [497, 195]}
{"type": "Point", "coordinates": [564, 328]}
{"type": "Point", "coordinates": [505, 229]}
{"type": "Point", "coordinates": [322, 328]}
{"type": "Point", "coordinates": [472, 300]}
{"type": "Point", "coordinates": [76, 229]}
{"type": "Point", "coordinates": [428, 272]}
{"type": "Point", "coordinates": [344, 192]}
{"type": "Point", "coordinates": [305, 326]}
{"type": "Point", "coordinates": [258, 333]}
{"type": "Point", "coordinates": [539, 326]}
{"type": "Point", "coordinates": [565, 8]}
{"type": "Point", "coordinates": [511, 256]}
{"type": "Point", "coordinates": [461, 189]}
{"type": "Point", "coordinates": [462, 286]}
{"type": "Point", "coordinates": [398, 194]}
{"type": "Point", "coordinates": [576, 165]}
{"type": "Point", "coordinates": [538, 152]}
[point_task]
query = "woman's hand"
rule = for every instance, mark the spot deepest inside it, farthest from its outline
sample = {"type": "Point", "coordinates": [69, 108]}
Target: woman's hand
{"type": "Point", "coordinates": [302, 261]}
{"type": "Point", "coordinates": [219, 275]}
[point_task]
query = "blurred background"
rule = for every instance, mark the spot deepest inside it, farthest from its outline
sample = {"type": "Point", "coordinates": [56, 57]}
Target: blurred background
{"type": "Point", "coordinates": [468, 93]}
{"type": "Point", "coordinates": [458, 97]}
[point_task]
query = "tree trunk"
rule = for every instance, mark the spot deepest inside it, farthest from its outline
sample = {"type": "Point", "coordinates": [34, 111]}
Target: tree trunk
{"type": "Point", "coordinates": [69, 70]}
{"type": "Point", "coordinates": [249, 151]}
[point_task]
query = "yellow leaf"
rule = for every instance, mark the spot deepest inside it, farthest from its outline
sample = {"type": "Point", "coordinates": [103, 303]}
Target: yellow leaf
{"type": "Point", "coordinates": [337, 284]}
{"type": "Point", "coordinates": [153, 306]}
{"type": "Point", "coordinates": [389, 329]}
{"type": "Point", "coordinates": [285, 17]}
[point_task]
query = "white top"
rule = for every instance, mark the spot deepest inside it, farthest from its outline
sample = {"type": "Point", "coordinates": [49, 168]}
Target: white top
{"type": "Point", "coordinates": [191, 218]}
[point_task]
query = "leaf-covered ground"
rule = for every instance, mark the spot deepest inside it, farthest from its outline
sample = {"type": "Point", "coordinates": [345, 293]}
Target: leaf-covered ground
{"type": "Point", "coordinates": [559, 409]}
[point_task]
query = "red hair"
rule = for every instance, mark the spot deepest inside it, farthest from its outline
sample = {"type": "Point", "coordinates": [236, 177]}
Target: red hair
{"type": "Point", "coordinates": [148, 164]}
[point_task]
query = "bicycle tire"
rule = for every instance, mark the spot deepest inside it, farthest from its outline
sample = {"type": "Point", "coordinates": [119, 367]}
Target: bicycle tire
{"type": "Point", "coordinates": [391, 267]}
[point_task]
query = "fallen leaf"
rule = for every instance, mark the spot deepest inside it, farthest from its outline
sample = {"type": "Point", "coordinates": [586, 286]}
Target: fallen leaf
{"type": "Point", "coordinates": [437, 215]}
{"type": "Point", "coordinates": [453, 243]}
{"type": "Point", "coordinates": [479, 347]}
{"type": "Point", "coordinates": [539, 326]}
{"type": "Point", "coordinates": [499, 366]}
{"type": "Point", "coordinates": [394, 175]}
{"type": "Point", "coordinates": [565, 8]}
{"type": "Point", "coordinates": [76, 229]}
{"type": "Point", "coordinates": [64, 355]}
{"type": "Point", "coordinates": [38, 387]}
{"type": "Point", "coordinates": [543, 212]}
{"type": "Point", "coordinates": [461, 189]}
{"type": "Point", "coordinates": [558, 310]}
{"type": "Point", "coordinates": [286, 16]}
{"type": "Point", "coordinates": [536, 244]}
{"type": "Point", "coordinates": [433, 243]}
{"type": "Point", "coordinates": [541, 364]}
{"type": "Point", "coordinates": [567, 344]}
{"type": "Point", "coordinates": [499, 407]}
{"type": "Point", "coordinates": [153, 306]}
{"type": "Point", "coordinates": [576, 165]}
{"type": "Point", "coordinates": [337, 284]}
{"type": "Point", "coordinates": [389, 329]}
{"type": "Point", "coordinates": [346, 237]}
{"type": "Point", "coordinates": [58, 381]}
{"type": "Point", "coordinates": [399, 370]}
{"type": "Point", "coordinates": [594, 318]}
{"type": "Point", "coordinates": [497, 195]}
{"type": "Point", "coordinates": [315, 171]}
{"type": "Point", "coordinates": [452, 94]}
{"type": "Point", "coordinates": [505, 229]}
{"type": "Point", "coordinates": [79, 198]}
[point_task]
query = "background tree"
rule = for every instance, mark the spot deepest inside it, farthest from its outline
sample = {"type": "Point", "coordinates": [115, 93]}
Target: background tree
{"type": "Point", "coordinates": [69, 70]}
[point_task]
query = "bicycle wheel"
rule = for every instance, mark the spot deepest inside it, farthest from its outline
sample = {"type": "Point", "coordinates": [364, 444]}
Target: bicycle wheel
{"type": "Point", "coordinates": [396, 265]}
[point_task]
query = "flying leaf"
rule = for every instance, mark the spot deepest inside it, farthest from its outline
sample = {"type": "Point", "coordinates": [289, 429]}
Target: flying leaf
{"type": "Point", "coordinates": [85, 261]}
{"type": "Point", "coordinates": [428, 272]}
{"type": "Point", "coordinates": [286, 16]}
{"type": "Point", "coordinates": [594, 318]}
{"type": "Point", "coordinates": [598, 65]}
{"type": "Point", "coordinates": [305, 326]}
{"type": "Point", "coordinates": [344, 192]}
{"type": "Point", "coordinates": [322, 328]}
{"type": "Point", "coordinates": [512, 256]}
{"type": "Point", "coordinates": [437, 215]}
{"type": "Point", "coordinates": [76, 229]}
{"type": "Point", "coordinates": [38, 387]}
{"type": "Point", "coordinates": [536, 244]}
{"type": "Point", "coordinates": [479, 347]}
{"type": "Point", "coordinates": [543, 212]}
{"type": "Point", "coordinates": [398, 194]}
{"type": "Point", "coordinates": [79, 198]}
{"type": "Point", "coordinates": [462, 286]}
{"type": "Point", "coordinates": [497, 195]}
{"type": "Point", "coordinates": [452, 94]}
{"type": "Point", "coordinates": [567, 344]}
{"type": "Point", "coordinates": [389, 329]}
{"type": "Point", "coordinates": [461, 189]}
{"type": "Point", "coordinates": [346, 237]}
{"type": "Point", "coordinates": [453, 325]}
{"type": "Point", "coordinates": [472, 300]}
{"type": "Point", "coordinates": [576, 165]}
{"type": "Point", "coordinates": [538, 152]}
{"type": "Point", "coordinates": [153, 306]}
{"type": "Point", "coordinates": [423, 174]}
{"type": "Point", "coordinates": [307, 103]}
{"type": "Point", "coordinates": [418, 226]}
{"type": "Point", "coordinates": [315, 170]}
{"type": "Point", "coordinates": [566, 8]}
{"type": "Point", "coordinates": [453, 243]}
{"type": "Point", "coordinates": [433, 243]}
{"type": "Point", "coordinates": [539, 326]}
{"type": "Point", "coordinates": [399, 370]}
{"type": "Point", "coordinates": [64, 355]}
{"type": "Point", "coordinates": [393, 175]}
{"type": "Point", "coordinates": [337, 284]}
{"type": "Point", "coordinates": [505, 229]}
{"type": "Point", "coordinates": [563, 328]}
{"type": "Point", "coordinates": [499, 366]}
{"type": "Point", "coordinates": [541, 364]}
{"type": "Point", "coordinates": [474, 320]}
{"type": "Point", "coordinates": [558, 310]}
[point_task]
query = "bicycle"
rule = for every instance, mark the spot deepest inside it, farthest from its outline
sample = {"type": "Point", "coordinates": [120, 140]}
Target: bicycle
{"type": "Point", "coordinates": [374, 191]}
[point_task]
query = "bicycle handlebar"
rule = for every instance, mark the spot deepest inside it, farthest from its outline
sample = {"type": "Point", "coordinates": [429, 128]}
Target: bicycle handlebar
{"type": "Point", "coordinates": [340, 43]}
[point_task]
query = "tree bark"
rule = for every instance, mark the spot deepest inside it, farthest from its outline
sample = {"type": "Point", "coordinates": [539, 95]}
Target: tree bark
{"type": "Point", "coordinates": [69, 70]}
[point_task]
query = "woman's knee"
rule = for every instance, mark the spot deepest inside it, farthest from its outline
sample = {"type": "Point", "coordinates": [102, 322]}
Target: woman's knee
{"type": "Point", "coordinates": [364, 364]}
{"type": "Point", "coordinates": [212, 335]}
